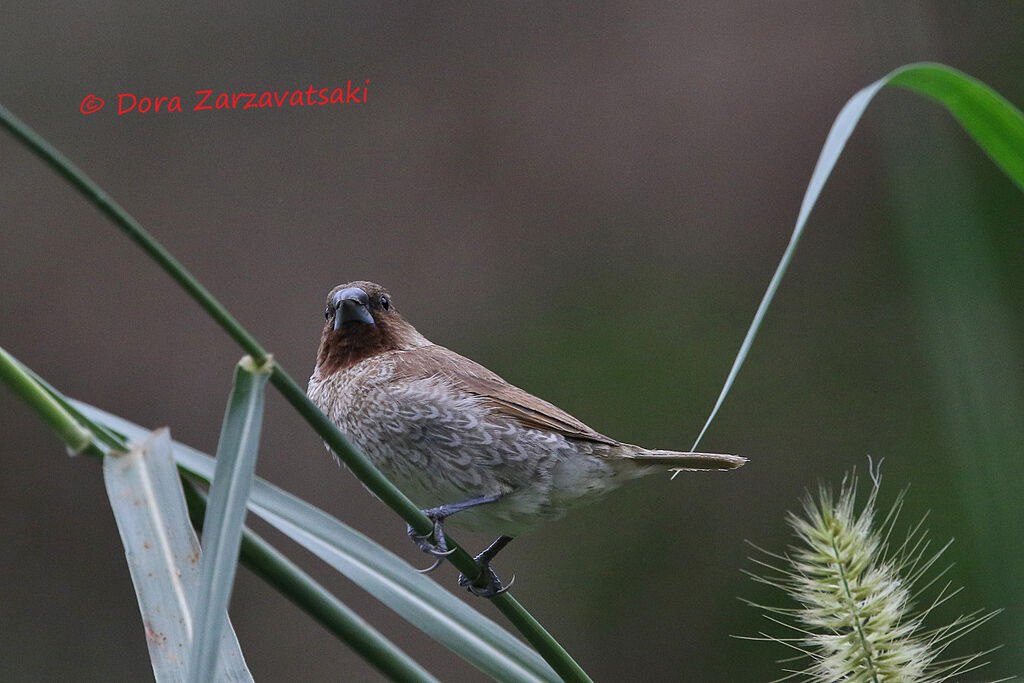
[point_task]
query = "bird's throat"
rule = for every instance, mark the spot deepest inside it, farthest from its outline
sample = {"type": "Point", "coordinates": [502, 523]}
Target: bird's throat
{"type": "Point", "coordinates": [344, 348]}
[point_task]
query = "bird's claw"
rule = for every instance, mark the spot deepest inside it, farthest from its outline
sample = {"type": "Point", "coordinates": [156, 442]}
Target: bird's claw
{"type": "Point", "coordinates": [439, 548]}
{"type": "Point", "coordinates": [437, 563]}
{"type": "Point", "coordinates": [431, 549]}
{"type": "Point", "coordinates": [490, 588]}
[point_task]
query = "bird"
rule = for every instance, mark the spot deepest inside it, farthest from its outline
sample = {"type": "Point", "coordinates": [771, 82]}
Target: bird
{"type": "Point", "coordinates": [470, 448]}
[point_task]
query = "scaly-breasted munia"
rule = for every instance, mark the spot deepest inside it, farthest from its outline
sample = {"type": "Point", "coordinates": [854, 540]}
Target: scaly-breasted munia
{"type": "Point", "coordinates": [457, 438]}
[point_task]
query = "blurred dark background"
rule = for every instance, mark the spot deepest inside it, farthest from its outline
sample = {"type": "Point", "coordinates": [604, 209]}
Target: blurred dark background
{"type": "Point", "coordinates": [589, 199]}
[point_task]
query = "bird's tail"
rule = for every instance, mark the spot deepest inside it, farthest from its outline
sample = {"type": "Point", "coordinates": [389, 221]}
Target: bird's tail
{"type": "Point", "coordinates": [687, 461]}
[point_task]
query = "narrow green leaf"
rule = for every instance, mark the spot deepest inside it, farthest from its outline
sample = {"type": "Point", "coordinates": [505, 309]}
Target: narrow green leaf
{"type": "Point", "coordinates": [107, 438]}
{"type": "Point", "coordinates": [163, 556]}
{"type": "Point", "coordinates": [222, 528]}
{"type": "Point", "coordinates": [388, 577]}
{"type": "Point", "coordinates": [21, 382]}
{"type": "Point", "coordinates": [995, 124]}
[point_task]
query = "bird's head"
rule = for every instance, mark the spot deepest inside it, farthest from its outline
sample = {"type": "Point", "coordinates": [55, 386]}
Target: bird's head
{"type": "Point", "coordinates": [362, 322]}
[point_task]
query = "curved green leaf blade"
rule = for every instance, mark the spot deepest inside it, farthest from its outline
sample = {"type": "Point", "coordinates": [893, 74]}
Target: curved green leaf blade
{"type": "Point", "coordinates": [225, 512]}
{"type": "Point", "coordinates": [995, 124]}
{"type": "Point", "coordinates": [426, 605]}
{"type": "Point", "coordinates": [163, 556]}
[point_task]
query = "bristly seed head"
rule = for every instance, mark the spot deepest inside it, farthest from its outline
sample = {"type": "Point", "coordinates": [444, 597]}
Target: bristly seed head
{"type": "Point", "coordinates": [856, 620]}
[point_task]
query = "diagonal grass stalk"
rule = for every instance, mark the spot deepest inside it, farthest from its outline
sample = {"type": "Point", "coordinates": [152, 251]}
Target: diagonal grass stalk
{"type": "Point", "coordinates": [363, 469]}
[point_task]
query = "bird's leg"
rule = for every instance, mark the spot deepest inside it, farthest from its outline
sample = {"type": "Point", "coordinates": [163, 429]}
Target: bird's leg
{"type": "Point", "coordinates": [439, 547]}
{"type": "Point", "coordinates": [487, 585]}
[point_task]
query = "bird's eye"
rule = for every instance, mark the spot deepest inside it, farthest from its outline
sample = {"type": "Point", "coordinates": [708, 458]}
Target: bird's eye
{"type": "Point", "coordinates": [384, 303]}
{"type": "Point", "coordinates": [327, 313]}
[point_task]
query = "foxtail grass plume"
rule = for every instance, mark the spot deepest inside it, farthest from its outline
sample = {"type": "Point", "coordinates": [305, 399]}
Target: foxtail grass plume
{"type": "Point", "coordinates": [856, 588]}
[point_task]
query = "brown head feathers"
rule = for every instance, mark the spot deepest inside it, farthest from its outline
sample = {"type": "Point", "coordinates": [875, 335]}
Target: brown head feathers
{"type": "Point", "coordinates": [349, 336]}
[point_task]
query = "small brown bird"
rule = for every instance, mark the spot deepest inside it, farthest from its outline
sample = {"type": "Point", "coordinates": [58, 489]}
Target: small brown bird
{"type": "Point", "coordinates": [457, 438]}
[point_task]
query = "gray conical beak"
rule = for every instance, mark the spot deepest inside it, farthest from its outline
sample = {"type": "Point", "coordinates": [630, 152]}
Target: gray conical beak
{"type": "Point", "coordinates": [352, 304]}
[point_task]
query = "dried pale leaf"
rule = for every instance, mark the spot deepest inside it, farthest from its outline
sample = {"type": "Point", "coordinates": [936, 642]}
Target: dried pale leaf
{"type": "Point", "coordinates": [163, 556]}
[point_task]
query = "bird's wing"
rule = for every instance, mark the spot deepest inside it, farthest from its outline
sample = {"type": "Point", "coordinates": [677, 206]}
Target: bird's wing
{"type": "Point", "coordinates": [504, 398]}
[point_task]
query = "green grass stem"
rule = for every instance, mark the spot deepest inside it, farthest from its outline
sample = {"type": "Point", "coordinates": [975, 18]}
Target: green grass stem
{"type": "Point", "coordinates": [56, 416]}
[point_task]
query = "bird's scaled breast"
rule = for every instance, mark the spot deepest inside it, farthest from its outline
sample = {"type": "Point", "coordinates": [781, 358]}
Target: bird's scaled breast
{"type": "Point", "coordinates": [425, 430]}
{"type": "Point", "coordinates": [354, 398]}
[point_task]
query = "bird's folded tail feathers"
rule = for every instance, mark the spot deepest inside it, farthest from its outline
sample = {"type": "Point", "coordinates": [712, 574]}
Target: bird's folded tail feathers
{"type": "Point", "coordinates": [689, 461]}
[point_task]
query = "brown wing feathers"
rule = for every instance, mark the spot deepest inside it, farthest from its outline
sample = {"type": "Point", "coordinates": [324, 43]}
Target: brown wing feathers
{"type": "Point", "coordinates": [530, 411]}
{"type": "Point", "coordinates": [506, 398]}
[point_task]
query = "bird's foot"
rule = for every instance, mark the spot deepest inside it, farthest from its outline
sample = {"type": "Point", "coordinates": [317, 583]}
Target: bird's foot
{"type": "Point", "coordinates": [487, 585]}
{"type": "Point", "coordinates": [438, 547]}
